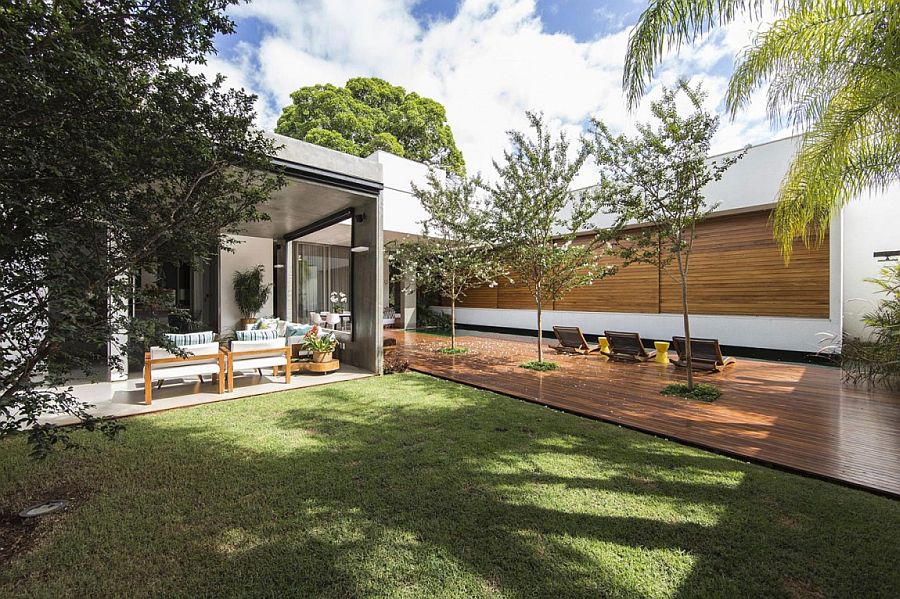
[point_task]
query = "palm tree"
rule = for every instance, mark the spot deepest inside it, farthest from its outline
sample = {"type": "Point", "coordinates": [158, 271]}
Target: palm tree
{"type": "Point", "coordinates": [833, 69]}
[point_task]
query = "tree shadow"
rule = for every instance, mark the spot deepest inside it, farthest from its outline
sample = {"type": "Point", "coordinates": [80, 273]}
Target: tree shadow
{"type": "Point", "coordinates": [444, 490]}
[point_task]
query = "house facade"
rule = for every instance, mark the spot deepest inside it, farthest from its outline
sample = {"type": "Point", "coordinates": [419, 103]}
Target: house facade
{"type": "Point", "coordinates": [740, 289]}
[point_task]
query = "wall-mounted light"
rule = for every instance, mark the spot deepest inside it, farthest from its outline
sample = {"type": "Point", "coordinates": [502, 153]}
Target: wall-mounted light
{"type": "Point", "coordinates": [278, 266]}
{"type": "Point", "coordinates": [359, 249]}
{"type": "Point", "coordinates": [887, 256]}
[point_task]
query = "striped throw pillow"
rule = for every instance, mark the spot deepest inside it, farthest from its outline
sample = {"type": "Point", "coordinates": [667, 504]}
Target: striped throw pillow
{"type": "Point", "coordinates": [256, 335]}
{"type": "Point", "coordinates": [183, 339]}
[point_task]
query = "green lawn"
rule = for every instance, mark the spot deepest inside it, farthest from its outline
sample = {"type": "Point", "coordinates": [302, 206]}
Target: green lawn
{"type": "Point", "coordinates": [406, 486]}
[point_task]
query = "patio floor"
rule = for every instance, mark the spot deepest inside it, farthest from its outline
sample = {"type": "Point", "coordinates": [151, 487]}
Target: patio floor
{"type": "Point", "coordinates": [797, 417]}
{"type": "Point", "coordinates": [126, 398]}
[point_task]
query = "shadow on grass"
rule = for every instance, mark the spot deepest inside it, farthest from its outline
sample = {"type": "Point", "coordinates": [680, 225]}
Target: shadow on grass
{"type": "Point", "coordinates": [411, 486]}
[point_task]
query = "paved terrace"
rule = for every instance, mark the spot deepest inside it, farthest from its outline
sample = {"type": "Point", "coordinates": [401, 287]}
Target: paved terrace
{"type": "Point", "coordinates": [794, 416]}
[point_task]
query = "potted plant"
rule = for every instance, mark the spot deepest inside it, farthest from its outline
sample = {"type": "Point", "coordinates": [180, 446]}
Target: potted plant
{"type": "Point", "coordinates": [321, 347]}
{"type": "Point", "coordinates": [250, 294]}
{"type": "Point", "coordinates": [338, 302]}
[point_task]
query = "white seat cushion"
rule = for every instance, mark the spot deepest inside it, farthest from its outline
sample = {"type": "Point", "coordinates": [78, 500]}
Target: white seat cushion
{"type": "Point", "coordinates": [205, 349]}
{"type": "Point", "coordinates": [184, 370]}
{"type": "Point", "coordinates": [260, 362]}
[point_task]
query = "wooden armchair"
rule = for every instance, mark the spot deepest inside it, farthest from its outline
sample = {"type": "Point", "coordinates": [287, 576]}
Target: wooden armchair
{"type": "Point", "coordinates": [160, 364]}
{"type": "Point", "coordinates": [256, 355]}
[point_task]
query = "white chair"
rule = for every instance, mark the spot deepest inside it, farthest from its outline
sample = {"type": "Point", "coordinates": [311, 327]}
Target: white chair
{"type": "Point", "coordinates": [333, 319]}
{"type": "Point", "coordinates": [160, 365]}
{"type": "Point", "coordinates": [256, 355]}
{"type": "Point", "coordinates": [315, 318]}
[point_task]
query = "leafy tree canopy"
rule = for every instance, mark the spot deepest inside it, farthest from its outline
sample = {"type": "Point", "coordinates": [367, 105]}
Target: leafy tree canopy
{"type": "Point", "coordinates": [113, 157]}
{"type": "Point", "coordinates": [370, 114]}
{"type": "Point", "coordinates": [833, 71]}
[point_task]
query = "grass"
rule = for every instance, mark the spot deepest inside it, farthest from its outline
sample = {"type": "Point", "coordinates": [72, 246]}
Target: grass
{"type": "Point", "coordinates": [408, 486]}
{"type": "Point", "coordinates": [701, 392]}
{"type": "Point", "coordinates": [452, 351]}
{"type": "Point", "coordinates": [544, 366]}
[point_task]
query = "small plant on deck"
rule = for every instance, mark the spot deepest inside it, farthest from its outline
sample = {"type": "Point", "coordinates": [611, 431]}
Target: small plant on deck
{"type": "Point", "coordinates": [700, 391]}
{"type": "Point", "coordinates": [540, 365]}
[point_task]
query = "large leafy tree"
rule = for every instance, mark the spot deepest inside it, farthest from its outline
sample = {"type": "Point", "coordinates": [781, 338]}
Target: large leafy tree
{"type": "Point", "coordinates": [455, 253]}
{"type": "Point", "coordinates": [656, 179]}
{"type": "Point", "coordinates": [113, 157]}
{"type": "Point", "coordinates": [833, 68]}
{"type": "Point", "coordinates": [536, 219]}
{"type": "Point", "coordinates": [370, 114]}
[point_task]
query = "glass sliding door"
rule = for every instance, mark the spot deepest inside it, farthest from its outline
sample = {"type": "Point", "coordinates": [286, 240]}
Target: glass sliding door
{"type": "Point", "coordinates": [320, 269]}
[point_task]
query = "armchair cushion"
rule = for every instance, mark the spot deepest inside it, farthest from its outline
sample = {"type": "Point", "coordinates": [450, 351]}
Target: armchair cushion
{"type": "Point", "coordinates": [205, 349]}
{"type": "Point", "coordinates": [256, 335]}
{"type": "Point", "coordinates": [188, 339]}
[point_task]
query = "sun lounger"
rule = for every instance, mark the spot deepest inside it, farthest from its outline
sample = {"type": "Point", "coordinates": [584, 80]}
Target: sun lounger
{"type": "Point", "coordinates": [705, 354]}
{"type": "Point", "coordinates": [572, 341]}
{"type": "Point", "coordinates": [627, 347]}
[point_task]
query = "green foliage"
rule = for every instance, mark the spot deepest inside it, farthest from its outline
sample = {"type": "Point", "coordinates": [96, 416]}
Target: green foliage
{"type": "Point", "coordinates": [250, 294]}
{"type": "Point", "coordinates": [455, 253]}
{"type": "Point", "coordinates": [346, 490]}
{"type": "Point", "coordinates": [370, 114]}
{"type": "Point", "coordinates": [657, 179]}
{"type": "Point", "coordinates": [428, 318]}
{"type": "Point", "coordinates": [115, 157]}
{"type": "Point", "coordinates": [876, 360]}
{"type": "Point", "coordinates": [540, 365]}
{"type": "Point", "coordinates": [535, 217]}
{"type": "Point", "coordinates": [700, 392]}
{"type": "Point", "coordinates": [452, 351]}
{"type": "Point", "coordinates": [833, 69]}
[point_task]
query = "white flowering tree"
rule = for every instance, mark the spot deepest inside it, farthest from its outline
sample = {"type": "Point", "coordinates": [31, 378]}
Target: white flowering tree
{"type": "Point", "coordinates": [656, 179]}
{"type": "Point", "coordinates": [540, 224]}
{"type": "Point", "coordinates": [454, 254]}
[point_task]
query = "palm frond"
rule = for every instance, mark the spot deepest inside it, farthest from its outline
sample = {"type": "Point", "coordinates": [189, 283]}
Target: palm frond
{"type": "Point", "coordinates": [665, 25]}
{"type": "Point", "coordinates": [855, 147]}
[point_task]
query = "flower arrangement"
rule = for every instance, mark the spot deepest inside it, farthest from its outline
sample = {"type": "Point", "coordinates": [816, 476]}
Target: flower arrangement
{"type": "Point", "coordinates": [314, 343]}
{"type": "Point", "coordinates": [338, 301]}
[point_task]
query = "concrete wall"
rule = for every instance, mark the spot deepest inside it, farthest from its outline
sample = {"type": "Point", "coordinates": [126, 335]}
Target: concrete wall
{"type": "Point", "coordinates": [249, 252]}
{"type": "Point", "coordinates": [366, 348]}
{"type": "Point", "coordinates": [871, 224]}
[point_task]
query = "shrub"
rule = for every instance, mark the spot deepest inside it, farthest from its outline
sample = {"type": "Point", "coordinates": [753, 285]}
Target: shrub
{"type": "Point", "coordinates": [394, 365]}
{"type": "Point", "coordinates": [540, 366]}
{"type": "Point", "coordinates": [452, 351]}
{"type": "Point", "coordinates": [876, 360]}
{"type": "Point", "coordinates": [701, 392]}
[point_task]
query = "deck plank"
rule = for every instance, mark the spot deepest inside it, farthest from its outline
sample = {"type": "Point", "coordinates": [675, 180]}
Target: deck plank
{"type": "Point", "coordinates": [794, 416]}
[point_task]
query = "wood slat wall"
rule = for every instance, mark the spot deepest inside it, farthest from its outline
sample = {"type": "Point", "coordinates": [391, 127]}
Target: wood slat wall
{"type": "Point", "coordinates": [736, 269]}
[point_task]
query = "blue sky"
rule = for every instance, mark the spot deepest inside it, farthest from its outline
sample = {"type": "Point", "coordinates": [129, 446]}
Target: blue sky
{"type": "Point", "coordinates": [487, 61]}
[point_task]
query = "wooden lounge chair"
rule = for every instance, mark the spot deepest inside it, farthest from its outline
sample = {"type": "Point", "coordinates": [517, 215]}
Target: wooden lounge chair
{"type": "Point", "coordinates": [200, 359]}
{"type": "Point", "coordinates": [572, 341]}
{"type": "Point", "coordinates": [705, 354]}
{"type": "Point", "coordinates": [627, 347]}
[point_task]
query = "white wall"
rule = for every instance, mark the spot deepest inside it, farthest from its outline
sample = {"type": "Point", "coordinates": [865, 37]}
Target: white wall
{"type": "Point", "coordinates": [402, 212]}
{"type": "Point", "coordinates": [871, 224]}
{"type": "Point", "coordinates": [248, 253]}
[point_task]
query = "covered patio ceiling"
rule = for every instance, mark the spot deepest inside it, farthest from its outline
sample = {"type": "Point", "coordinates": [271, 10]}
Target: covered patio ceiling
{"type": "Point", "coordinates": [299, 204]}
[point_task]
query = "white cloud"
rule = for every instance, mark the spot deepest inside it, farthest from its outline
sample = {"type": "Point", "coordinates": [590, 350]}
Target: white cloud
{"type": "Point", "coordinates": [487, 65]}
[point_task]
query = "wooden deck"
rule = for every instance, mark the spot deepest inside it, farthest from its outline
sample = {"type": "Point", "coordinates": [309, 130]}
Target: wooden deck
{"type": "Point", "coordinates": [793, 416]}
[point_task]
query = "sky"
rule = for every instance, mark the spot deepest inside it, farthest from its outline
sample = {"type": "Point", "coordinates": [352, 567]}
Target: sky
{"type": "Point", "coordinates": [486, 61]}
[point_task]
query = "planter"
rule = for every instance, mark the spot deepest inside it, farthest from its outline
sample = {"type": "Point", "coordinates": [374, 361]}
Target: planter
{"type": "Point", "coordinates": [321, 356]}
{"type": "Point", "coordinates": [246, 321]}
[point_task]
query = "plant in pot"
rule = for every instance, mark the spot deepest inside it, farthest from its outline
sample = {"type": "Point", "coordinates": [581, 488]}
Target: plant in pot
{"type": "Point", "coordinates": [321, 347]}
{"type": "Point", "coordinates": [250, 294]}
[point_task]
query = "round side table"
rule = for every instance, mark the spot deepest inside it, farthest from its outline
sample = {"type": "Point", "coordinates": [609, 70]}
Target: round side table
{"type": "Point", "coordinates": [662, 351]}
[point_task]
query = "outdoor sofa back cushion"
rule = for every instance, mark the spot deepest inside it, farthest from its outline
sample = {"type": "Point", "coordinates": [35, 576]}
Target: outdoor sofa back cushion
{"type": "Point", "coordinates": [265, 324]}
{"type": "Point", "coordinates": [256, 335]}
{"type": "Point", "coordinates": [293, 329]}
{"type": "Point", "coordinates": [205, 349]}
{"type": "Point", "coordinates": [275, 344]}
{"type": "Point", "coordinates": [185, 339]}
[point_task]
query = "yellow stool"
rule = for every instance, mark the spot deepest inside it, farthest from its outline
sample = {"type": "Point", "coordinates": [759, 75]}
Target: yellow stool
{"type": "Point", "coordinates": [662, 351]}
{"type": "Point", "coordinates": [604, 345]}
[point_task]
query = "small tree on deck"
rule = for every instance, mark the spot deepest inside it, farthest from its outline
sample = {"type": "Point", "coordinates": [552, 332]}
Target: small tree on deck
{"type": "Point", "coordinates": [656, 179]}
{"type": "Point", "coordinates": [536, 218]}
{"type": "Point", "coordinates": [453, 256]}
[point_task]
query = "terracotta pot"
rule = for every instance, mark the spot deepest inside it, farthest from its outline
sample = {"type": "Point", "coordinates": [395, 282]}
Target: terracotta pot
{"type": "Point", "coordinates": [246, 321]}
{"type": "Point", "coordinates": [321, 356]}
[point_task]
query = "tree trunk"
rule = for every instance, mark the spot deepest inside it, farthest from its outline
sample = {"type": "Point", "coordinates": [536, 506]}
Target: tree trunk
{"type": "Point", "coordinates": [453, 323]}
{"type": "Point", "coordinates": [687, 326]}
{"type": "Point", "coordinates": [540, 332]}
